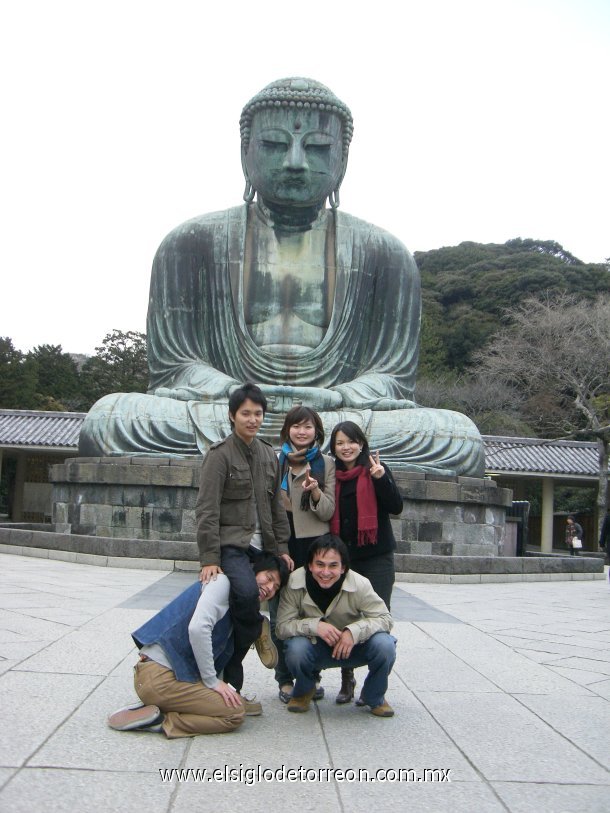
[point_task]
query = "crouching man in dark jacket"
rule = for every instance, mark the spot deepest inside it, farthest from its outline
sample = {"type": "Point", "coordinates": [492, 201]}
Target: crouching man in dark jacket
{"type": "Point", "coordinates": [330, 617]}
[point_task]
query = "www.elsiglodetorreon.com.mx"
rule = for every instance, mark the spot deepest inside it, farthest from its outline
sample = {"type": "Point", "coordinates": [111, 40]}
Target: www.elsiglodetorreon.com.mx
{"type": "Point", "coordinates": [251, 776]}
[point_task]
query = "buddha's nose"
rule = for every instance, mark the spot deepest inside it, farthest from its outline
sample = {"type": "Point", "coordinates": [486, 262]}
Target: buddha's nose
{"type": "Point", "coordinates": [296, 157]}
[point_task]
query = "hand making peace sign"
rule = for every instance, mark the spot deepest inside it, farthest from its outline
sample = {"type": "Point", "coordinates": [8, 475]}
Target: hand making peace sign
{"type": "Point", "coordinates": [376, 469]}
{"type": "Point", "coordinates": [311, 485]}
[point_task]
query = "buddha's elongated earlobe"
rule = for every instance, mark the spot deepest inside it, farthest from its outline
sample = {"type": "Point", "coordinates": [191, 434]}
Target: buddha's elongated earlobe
{"type": "Point", "coordinates": [249, 192]}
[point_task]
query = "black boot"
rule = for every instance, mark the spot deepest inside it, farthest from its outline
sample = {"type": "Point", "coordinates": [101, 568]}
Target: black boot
{"type": "Point", "coordinates": [348, 684]}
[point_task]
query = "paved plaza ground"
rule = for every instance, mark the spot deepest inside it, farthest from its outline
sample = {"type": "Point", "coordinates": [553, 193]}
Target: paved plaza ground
{"type": "Point", "coordinates": [503, 689]}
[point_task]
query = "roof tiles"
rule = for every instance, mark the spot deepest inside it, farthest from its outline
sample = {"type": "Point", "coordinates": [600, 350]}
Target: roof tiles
{"type": "Point", "coordinates": [502, 454]}
{"type": "Point", "coordinates": [545, 456]}
{"type": "Point", "coordinates": [30, 428]}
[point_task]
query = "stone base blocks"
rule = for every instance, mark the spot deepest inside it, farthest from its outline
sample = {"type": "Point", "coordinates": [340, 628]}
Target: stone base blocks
{"type": "Point", "coordinates": [140, 512]}
{"type": "Point", "coordinates": [153, 498]}
{"type": "Point", "coordinates": [450, 516]}
{"type": "Point", "coordinates": [145, 498]}
{"type": "Point", "coordinates": [475, 569]}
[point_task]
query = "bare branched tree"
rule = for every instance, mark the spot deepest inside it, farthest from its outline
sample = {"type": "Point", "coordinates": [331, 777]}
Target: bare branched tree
{"type": "Point", "coordinates": [493, 406]}
{"type": "Point", "coordinates": [556, 352]}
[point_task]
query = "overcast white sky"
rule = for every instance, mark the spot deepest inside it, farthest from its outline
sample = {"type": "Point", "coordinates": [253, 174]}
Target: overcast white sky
{"type": "Point", "coordinates": [474, 120]}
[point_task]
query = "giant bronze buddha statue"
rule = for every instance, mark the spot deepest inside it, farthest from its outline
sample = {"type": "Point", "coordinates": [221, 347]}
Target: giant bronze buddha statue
{"type": "Point", "coordinates": [314, 305]}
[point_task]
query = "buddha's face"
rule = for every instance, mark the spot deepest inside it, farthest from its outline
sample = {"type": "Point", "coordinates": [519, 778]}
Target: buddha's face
{"type": "Point", "coordinates": [295, 157]}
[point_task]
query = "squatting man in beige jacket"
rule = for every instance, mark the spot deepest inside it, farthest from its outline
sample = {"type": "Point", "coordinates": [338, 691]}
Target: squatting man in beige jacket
{"type": "Point", "coordinates": [330, 617]}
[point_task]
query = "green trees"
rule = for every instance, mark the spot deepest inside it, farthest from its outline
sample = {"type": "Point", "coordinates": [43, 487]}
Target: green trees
{"type": "Point", "coordinates": [119, 365]}
{"type": "Point", "coordinates": [47, 378]}
{"type": "Point", "coordinates": [57, 382]}
{"type": "Point", "coordinates": [17, 378]}
{"type": "Point", "coordinates": [471, 292]}
{"type": "Point", "coordinates": [467, 289]}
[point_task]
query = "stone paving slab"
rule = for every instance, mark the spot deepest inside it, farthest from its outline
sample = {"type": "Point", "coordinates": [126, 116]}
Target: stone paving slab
{"type": "Point", "coordinates": [578, 676]}
{"type": "Point", "coordinates": [33, 707]}
{"type": "Point", "coordinates": [602, 688]}
{"type": "Point", "coordinates": [508, 743]}
{"type": "Point", "coordinates": [526, 797]}
{"type": "Point", "coordinates": [84, 741]}
{"type": "Point", "coordinates": [555, 647]}
{"type": "Point", "coordinates": [413, 739]}
{"type": "Point", "coordinates": [459, 797]}
{"type": "Point", "coordinates": [498, 663]}
{"type": "Point", "coordinates": [5, 775]}
{"type": "Point", "coordinates": [94, 649]}
{"type": "Point", "coordinates": [426, 664]}
{"type": "Point", "coordinates": [60, 791]}
{"type": "Point", "coordinates": [580, 721]}
{"type": "Point", "coordinates": [258, 798]}
{"type": "Point", "coordinates": [474, 690]}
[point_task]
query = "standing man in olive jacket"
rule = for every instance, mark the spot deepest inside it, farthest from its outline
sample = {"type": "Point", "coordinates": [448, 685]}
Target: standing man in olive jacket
{"type": "Point", "coordinates": [240, 517]}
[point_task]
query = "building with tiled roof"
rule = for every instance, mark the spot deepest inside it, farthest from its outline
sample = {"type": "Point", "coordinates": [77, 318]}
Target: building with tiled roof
{"type": "Point", "coordinates": [532, 457]}
{"type": "Point", "coordinates": [30, 441]}
{"type": "Point", "coordinates": [40, 431]}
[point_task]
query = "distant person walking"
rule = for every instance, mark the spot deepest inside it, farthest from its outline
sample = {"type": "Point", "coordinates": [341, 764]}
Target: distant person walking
{"type": "Point", "coordinates": [573, 535]}
{"type": "Point", "coordinates": [604, 536]}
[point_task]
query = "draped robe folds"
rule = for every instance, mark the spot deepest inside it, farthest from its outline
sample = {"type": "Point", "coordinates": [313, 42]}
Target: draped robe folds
{"type": "Point", "coordinates": [199, 347]}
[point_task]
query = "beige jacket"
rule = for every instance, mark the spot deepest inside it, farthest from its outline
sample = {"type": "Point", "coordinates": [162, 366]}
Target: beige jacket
{"type": "Point", "coordinates": [315, 521]}
{"type": "Point", "coordinates": [357, 607]}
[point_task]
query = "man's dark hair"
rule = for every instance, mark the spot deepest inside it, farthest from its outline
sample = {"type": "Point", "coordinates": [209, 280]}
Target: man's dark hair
{"type": "Point", "coordinates": [247, 390]}
{"type": "Point", "coordinates": [329, 542]}
{"type": "Point", "coordinates": [272, 562]}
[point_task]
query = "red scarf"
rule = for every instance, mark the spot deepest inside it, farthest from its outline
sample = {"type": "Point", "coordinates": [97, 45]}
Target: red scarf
{"type": "Point", "coordinates": [366, 503]}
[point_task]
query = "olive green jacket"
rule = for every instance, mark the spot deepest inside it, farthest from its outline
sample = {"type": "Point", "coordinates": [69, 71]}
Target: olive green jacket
{"type": "Point", "coordinates": [235, 481]}
{"type": "Point", "coordinates": [357, 607]}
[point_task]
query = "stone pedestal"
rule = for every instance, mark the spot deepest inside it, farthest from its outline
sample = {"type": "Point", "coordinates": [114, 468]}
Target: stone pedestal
{"type": "Point", "coordinates": [153, 498]}
{"type": "Point", "coordinates": [148, 498]}
{"type": "Point", "coordinates": [450, 516]}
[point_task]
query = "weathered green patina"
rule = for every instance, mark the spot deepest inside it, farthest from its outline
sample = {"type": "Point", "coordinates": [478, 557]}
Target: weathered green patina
{"type": "Point", "coordinates": [312, 304]}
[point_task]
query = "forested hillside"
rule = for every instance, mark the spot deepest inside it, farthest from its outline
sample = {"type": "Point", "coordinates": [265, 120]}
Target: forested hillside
{"type": "Point", "coordinates": [467, 288]}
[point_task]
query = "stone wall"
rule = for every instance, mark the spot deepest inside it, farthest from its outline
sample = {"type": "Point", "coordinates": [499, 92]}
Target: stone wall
{"type": "Point", "coordinates": [450, 516]}
{"type": "Point", "coordinates": [145, 498]}
{"type": "Point", "coordinates": [126, 497]}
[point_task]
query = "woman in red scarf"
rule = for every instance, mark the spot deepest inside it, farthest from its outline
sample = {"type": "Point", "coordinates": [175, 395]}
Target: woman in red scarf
{"type": "Point", "coordinates": [365, 496]}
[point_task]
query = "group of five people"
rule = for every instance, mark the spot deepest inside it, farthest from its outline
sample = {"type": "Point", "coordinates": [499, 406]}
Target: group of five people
{"type": "Point", "coordinates": [310, 535]}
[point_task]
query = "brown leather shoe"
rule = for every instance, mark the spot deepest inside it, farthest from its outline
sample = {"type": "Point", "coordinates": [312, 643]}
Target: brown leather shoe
{"type": "Point", "coordinates": [302, 703]}
{"type": "Point", "coordinates": [348, 685]}
{"type": "Point", "coordinates": [265, 647]}
{"type": "Point", "coordinates": [252, 707]}
{"type": "Point", "coordinates": [383, 710]}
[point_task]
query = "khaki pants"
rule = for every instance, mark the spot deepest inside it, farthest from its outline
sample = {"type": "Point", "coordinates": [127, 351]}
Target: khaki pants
{"type": "Point", "coordinates": [189, 708]}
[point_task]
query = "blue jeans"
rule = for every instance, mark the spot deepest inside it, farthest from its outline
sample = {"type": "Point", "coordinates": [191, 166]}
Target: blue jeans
{"type": "Point", "coordinates": [304, 658]}
{"type": "Point", "coordinates": [282, 673]}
